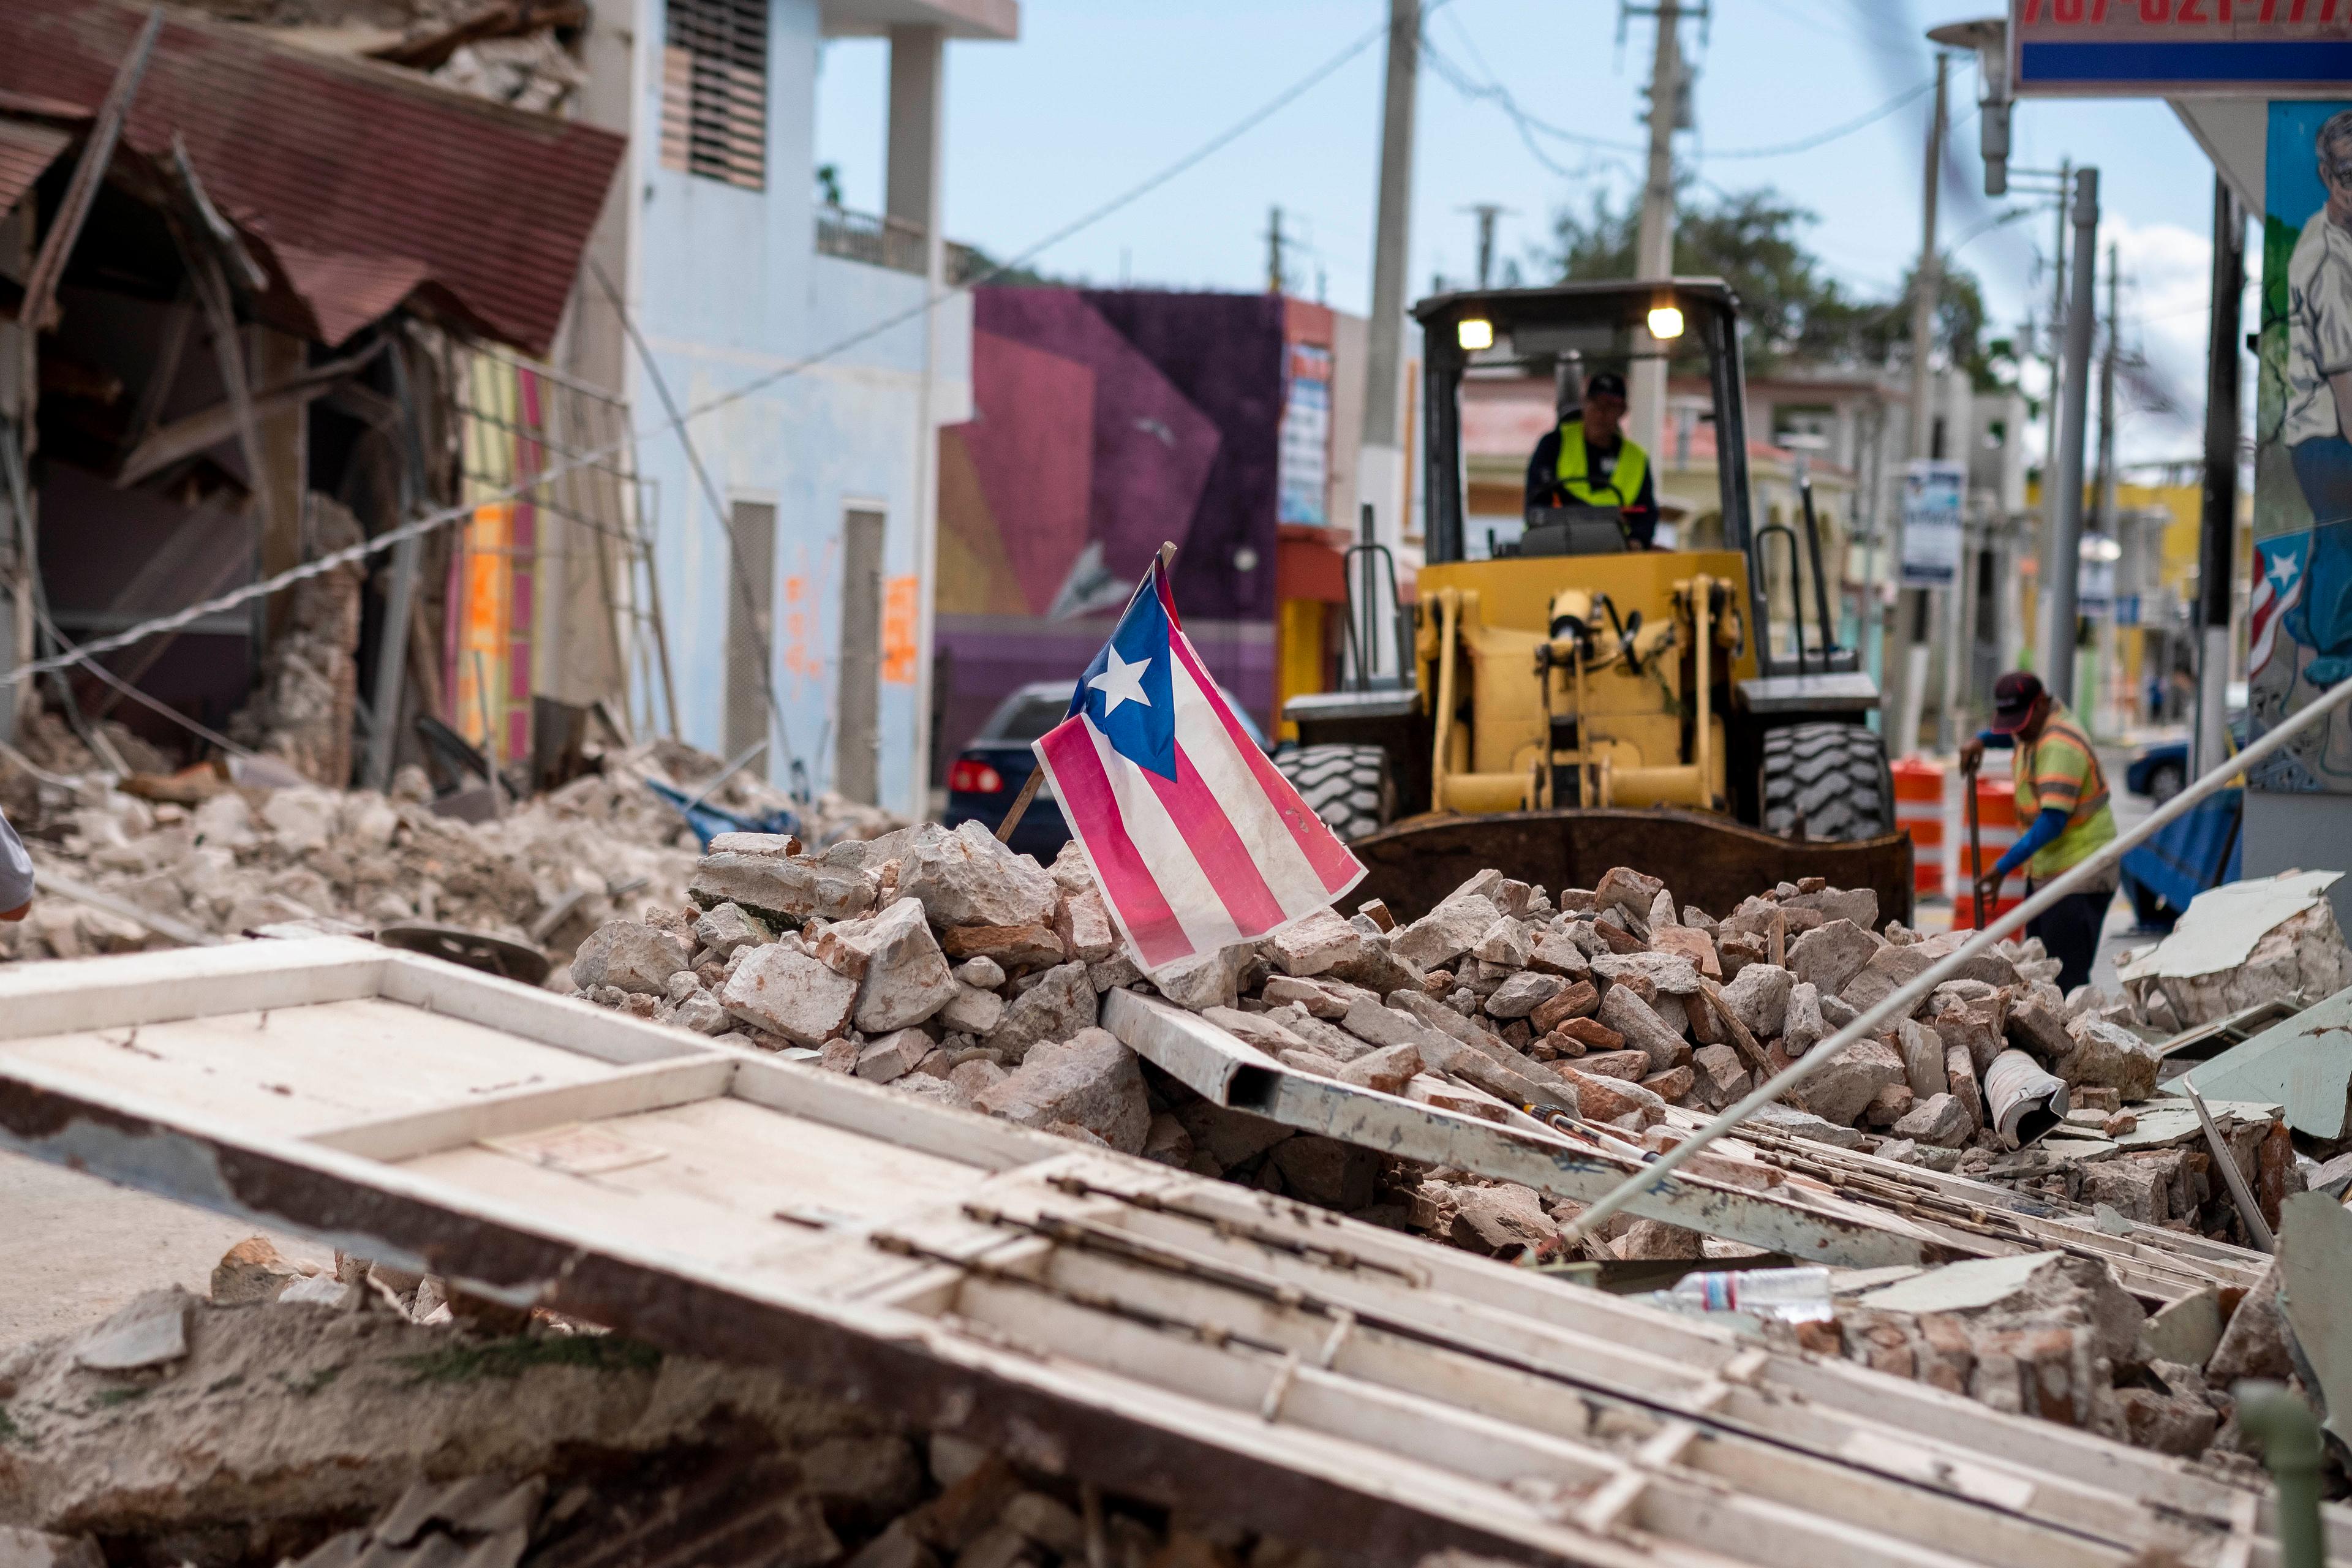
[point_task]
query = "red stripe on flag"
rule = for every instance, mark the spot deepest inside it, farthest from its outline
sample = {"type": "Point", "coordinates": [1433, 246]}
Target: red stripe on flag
{"type": "Point", "coordinates": [1224, 859]}
{"type": "Point", "coordinates": [1093, 808]}
{"type": "Point", "coordinates": [1337, 869]}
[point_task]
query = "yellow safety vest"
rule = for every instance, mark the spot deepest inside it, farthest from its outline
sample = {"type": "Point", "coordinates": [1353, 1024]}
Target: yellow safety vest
{"type": "Point", "coordinates": [1622, 488]}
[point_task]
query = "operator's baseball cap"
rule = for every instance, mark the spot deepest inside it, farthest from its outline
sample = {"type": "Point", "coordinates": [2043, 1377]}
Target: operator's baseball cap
{"type": "Point", "coordinates": [1606, 384]}
{"type": "Point", "coordinates": [2013, 697]}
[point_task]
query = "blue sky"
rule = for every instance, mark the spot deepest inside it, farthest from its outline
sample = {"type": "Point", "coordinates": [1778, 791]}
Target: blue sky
{"type": "Point", "coordinates": [1099, 94]}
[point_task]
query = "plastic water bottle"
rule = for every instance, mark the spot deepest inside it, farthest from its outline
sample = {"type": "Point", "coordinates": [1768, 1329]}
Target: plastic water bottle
{"type": "Point", "coordinates": [1790, 1295]}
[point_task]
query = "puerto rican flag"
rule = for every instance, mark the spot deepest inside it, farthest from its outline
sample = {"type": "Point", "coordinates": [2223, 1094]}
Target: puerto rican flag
{"type": "Point", "coordinates": [1197, 840]}
{"type": "Point", "coordinates": [2278, 588]}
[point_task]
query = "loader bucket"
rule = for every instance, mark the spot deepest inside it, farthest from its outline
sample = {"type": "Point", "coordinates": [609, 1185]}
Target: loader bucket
{"type": "Point", "coordinates": [1704, 859]}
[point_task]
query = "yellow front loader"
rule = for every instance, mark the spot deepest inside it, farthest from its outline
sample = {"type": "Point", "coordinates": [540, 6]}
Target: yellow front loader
{"type": "Point", "coordinates": [1556, 700]}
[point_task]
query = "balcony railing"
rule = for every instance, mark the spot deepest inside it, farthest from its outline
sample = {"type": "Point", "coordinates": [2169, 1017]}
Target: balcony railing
{"type": "Point", "coordinates": [889, 242]}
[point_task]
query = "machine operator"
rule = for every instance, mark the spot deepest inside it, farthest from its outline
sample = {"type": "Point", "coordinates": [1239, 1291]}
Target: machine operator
{"type": "Point", "coordinates": [1588, 461]}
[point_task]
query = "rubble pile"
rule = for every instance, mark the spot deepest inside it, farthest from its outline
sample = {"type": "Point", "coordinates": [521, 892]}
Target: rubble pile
{"type": "Point", "coordinates": [943, 965]}
{"type": "Point", "coordinates": [313, 1421]}
{"type": "Point", "coordinates": [202, 851]}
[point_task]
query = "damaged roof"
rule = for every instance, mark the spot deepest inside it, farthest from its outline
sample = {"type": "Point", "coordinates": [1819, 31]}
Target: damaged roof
{"type": "Point", "coordinates": [368, 185]}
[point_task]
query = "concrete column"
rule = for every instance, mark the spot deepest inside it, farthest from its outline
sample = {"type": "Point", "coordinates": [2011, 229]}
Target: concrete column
{"type": "Point", "coordinates": [917, 116]}
{"type": "Point", "coordinates": [1382, 480]}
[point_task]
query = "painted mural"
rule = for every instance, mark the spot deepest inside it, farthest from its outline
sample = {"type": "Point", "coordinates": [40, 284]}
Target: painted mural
{"type": "Point", "coordinates": [2299, 624]}
{"type": "Point", "coordinates": [1104, 423]}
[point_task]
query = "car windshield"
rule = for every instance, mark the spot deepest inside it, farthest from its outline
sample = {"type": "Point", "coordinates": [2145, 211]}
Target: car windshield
{"type": "Point", "coordinates": [1027, 718]}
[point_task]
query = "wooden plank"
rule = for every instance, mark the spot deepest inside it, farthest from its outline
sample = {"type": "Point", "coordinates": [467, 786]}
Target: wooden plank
{"type": "Point", "coordinates": [453, 991]}
{"type": "Point", "coordinates": [650, 1086]}
{"type": "Point", "coordinates": [73, 995]}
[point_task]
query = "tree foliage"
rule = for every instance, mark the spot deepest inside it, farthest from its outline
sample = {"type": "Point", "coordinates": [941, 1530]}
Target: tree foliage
{"type": "Point", "coordinates": [1791, 310]}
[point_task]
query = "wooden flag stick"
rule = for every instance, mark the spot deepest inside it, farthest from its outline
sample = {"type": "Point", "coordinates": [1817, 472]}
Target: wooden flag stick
{"type": "Point", "coordinates": [1020, 806]}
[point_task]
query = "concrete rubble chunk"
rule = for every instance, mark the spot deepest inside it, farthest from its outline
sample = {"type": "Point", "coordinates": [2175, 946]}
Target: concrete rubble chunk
{"type": "Point", "coordinates": [2108, 1055]}
{"type": "Point", "coordinates": [1205, 980]}
{"type": "Point", "coordinates": [1447, 931]}
{"type": "Point", "coordinates": [1387, 1070]}
{"type": "Point", "coordinates": [1072, 871]}
{"type": "Point", "coordinates": [777, 844]}
{"type": "Point", "coordinates": [1007, 947]}
{"type": "Point", "coordinates": [1258, 1029]}
{"type": "Point", "coordinates": [1502, 1220]}
{"type": "Point", "coordinates": [1828, 956]}
{"type": "Point", "coordinates": [1758, 998]}
{"type": "Point", "coordinates": [151, 1330]}
{"type": "Point", "coordinates": [974, 1076]}
{"type": "Point", "coordinates": [1923, 1058]}
{"type": "Point", "coordinates": [1665, 972]}
{"type": "Point", "coordinates": [252, 1270]}
{"type": "Point", "coordinates": [1328, 1172]}
{"type": "Point", "coordinates": [1622, 888]}
{"type": "Point", "coordinates": [1576, 1000]}
{"type": "Point", "coordinates": [1090, 1080]}
{"type": "Point", "coordinates": [1379, 1024]}
{"type": "Point", "coordinates": [967, 879]}
{"type": "Point", "coordinates": [630, 954]}
{"type": "Point", "coordinates": [1226, 1136]}
{"type": "Point", "coordinates": [973, 1011]}
{"type": "Point", "coordinates": [1592, 1034]}
{"type": "Point", "coordinates": [785, 990]}
{"type": "Point", "coordinates": [985, 973]}
{"type": "Point", "coordinates": [1612, 1100]}
{"type": "Point", "coordinates": [1061, 1004]}
{"type": "Point", "coordinates": [1507, 943]}
{"type": "Point", "coordinates": [1316, 944]}
{"type": "Point", "coordinates": [1857, 905]}
{"type": "Point", "coordinates": [903, 977]}
{"type": "Point", "coordinates": [1840, 1091]}
{"type": "Point", "coordinates": [1722, 1077]}
{"type": "Point", "coordinates": [893, 1055]}
{"type": "Point", "coordinates": [1938, 1119]}
{"type": "Point", "coordinates": [1082, 922]}
{"type": "Point", "coordinates": [723, 928]}
{"type": "Point", "coordinates": [1789, 1122]}
{"type": "Point", "coordinates": [1695, 947]}
{"type": "Point", "coordinates": [1554, 951]}
{"type": "Point", "coordinates": [1523, 992]}
{"type": "Point", "coordinates": [782, 891]}
{"type": "Point", "coordinates": [1631, 1016]}
{"type": "Point", "coordinates": [1324, 998]}
{"type": "Point", "coordinates": [2039, 1030]}
{"type": "Point", "coordinates": [1329, 1038]}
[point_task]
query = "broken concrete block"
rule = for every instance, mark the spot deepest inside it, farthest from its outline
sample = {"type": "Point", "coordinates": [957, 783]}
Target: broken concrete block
{"type": "Point", "coordinates": [2109, 1057]}
{"type": "Point", "coordinates": [1887, 1107]}
{"type": "Point", "coordinates": [1609, 1098]}
{"type": "Point", "coordinates": [781, 891]}
{"type": "Point", "coordinates": [1631, 1016]}
{"type": "Point", "coordinates": [1332, 1041]}
{"type": "Point", "coordinates": [150, 1330]}
{"type": "Point", "coordinates": [1387, 1070]}
{"type": "Point", "coordinates": [838, 1056]}
{"type": "Point", "coordinates": [893, 1055]}
{"type": "Point", "coordinates": [1228, 1137]}
{"type": "Point", "coordinates": [1507, 943]}
{"type": "Point", "coordinates": [1008, 947]}
{"type": "Point", "coordinates": [1922, 1050]}
{"type": "Point", "coordinates": [723, 928]}
{"type": "Point", "coordinates": [630, 954]}
{"type": "Point", "coordinates": [1082, 922]}
{"type": "Point", "coordinates": [1802, 1026]}
{"type": "Point", "coordinates": [1523, 992]}
{"type": "Point", "coordinates": [1090, 1080]}
{"type": "Point", "coordinates": [1842, 1090]}
{"type": "Point", "coordinates": [1652, 1240]}
{"type": "Point", "coordinates": [1062, 1002]}
{"type": "Point", "coordinates": [1258, 1029]}
{"type": "Point", "coordinates": [1379, 1025]}
{"type": "Point", "coordinates": [967, 879]}
{"type": "Point", "coordinates": [1938, 1120]}
{"type": "Point", "coordinates": [1556, 953]}
{"type": "Point", "coordinates": [1573, 1001]}
{"type": "Point", "coordinates": [1722, 1076]}
{"type": "Point", "coordinates": [904, 977]}
{"type": "Point", "coordinates": [1623, 888]}
{"type": "Point", "coordinates": [1960, 1083]}
{"type": "Point", "coordinates": [1316, 943]}
{"type": "Point", "coordinates": [1324, 998]}
{"type": "Point", "coordinates": [785, 990]}
{"type": "Point", "coordinates": [972, 1011]}
{"type": "Point", "coordinates": [1672, 1084]}
{"type": "Point", "coordinates": [974, 1076]}
{"type": "Point", "coordinates": [1592, 1034]}
{"type": "Point", "coordinates": [252, 1270]}
{"type": "Point", "coordinates": [1858, 905]}
{"type": "Point", "coordinates": [1790, 1122]}
{"type": "Point", "coordinates": [1828, 956]}
{"type": "Point", "coordinates": [1501, 1220]}
{"type": "Point", "coordinates": [1447, 932]}
{"type": "Point", "coordinates": [1664, 973]}
{"type": "Point", "coordinates": [982, 972]}
{"type": "Point", "coordinates": [1632, 1067]}
{"type": "Point", "coordinates": [1695, 947]}
{"type": "Point", "coordinates": [1758, 998]}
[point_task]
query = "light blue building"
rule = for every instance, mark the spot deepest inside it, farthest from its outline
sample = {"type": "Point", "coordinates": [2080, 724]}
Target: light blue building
{"type": "Point", "coordinates": [737, 276]}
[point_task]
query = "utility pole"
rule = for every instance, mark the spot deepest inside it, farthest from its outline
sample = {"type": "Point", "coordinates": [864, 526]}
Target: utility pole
{"type": "Point", "coordinates": [2061, 552]}
{"type": "Point", "coordinates": [2217, 550]}
{"type": "Point", "coordinates": [1908, 675]}
{"type": "Point", "coordinates": [1485, 213]}
{"type": "Point", "coordinates": [1380, 479]}
{"type": "Point", "coordinates": [2109, 528]}
{"type": "Point", "coordinates": [1274, 269]}
{"type": "Point", "coordinates": [1654, 244]}
{"type": "Point", "coordinates": [2056, 357]}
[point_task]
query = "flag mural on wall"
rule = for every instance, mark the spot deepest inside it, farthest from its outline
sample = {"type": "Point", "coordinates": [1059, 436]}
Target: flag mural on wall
{"type": "Point", "coordinates": [1197, 840]}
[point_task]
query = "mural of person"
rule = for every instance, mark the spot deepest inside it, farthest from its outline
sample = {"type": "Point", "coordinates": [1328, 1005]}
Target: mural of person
{"type": "Point", "coordinates": [2317, 428]}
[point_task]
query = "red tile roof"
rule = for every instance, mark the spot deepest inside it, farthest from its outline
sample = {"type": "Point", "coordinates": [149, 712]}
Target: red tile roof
{"type": "Point", "coordinates": [366, 183]}
{"type": "Point", "coordinates": [26, 151]}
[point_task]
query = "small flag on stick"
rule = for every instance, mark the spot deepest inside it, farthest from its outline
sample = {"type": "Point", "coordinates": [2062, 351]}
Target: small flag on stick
{"type": "Point", "coordinates": [1197, 839]}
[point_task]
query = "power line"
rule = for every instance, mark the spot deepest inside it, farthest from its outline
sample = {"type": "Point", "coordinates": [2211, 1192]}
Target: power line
{"type": "Point", "coordinates": [1825, 138]}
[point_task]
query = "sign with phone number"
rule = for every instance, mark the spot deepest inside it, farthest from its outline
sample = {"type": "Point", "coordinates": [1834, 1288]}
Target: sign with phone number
{"type": "Point", "coordinates": [2176, 48]}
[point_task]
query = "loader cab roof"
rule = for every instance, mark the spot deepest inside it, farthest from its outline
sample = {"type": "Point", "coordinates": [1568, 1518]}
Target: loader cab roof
{"type": "Point", "coordinates": [1570, 331]}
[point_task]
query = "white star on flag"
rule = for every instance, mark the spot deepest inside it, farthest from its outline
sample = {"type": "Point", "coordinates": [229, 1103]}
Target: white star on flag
{"type": "Point", "coordinates": [2284, 570]}
{"type": "Point", "coordinates": [1121, 682]}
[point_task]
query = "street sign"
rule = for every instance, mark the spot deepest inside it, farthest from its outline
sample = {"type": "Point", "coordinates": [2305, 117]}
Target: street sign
{"type": "Point", "coordinates": [1932, 495]}
{"type": "Point", "coordinates": [2178, 48]}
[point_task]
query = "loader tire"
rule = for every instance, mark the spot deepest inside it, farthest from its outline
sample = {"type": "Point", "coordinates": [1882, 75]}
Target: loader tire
{"type": "Point", "coordinates": [1826, 782]}
{"type": "Point", "coordinates": [1349, 787]}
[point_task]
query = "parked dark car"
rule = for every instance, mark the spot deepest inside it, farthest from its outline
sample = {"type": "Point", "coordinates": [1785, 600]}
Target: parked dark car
{"type": "Point", "coordinates": [2161, 771]}
{"type": "Point", "coordinates": [989, 771]}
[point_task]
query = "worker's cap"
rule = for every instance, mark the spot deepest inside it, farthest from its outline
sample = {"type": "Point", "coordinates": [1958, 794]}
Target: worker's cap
{"type": "Point", "coordinates": [2013, 697]}
{"type": "Point", "coordinates": [1606, 384]}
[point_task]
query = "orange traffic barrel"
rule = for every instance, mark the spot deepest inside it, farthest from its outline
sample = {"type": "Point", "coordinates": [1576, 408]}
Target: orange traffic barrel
{"type": "Point", "coordinates": [1919, 812]}
{"type": "Point", "coordinates": [1996, 831]}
